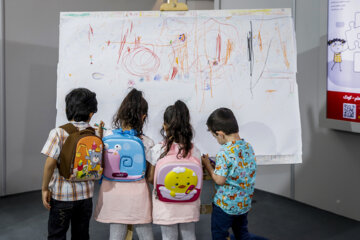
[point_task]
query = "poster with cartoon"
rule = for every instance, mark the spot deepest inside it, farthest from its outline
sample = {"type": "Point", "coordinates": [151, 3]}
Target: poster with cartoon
{"type": "Point", "coordinates": [343, 95]}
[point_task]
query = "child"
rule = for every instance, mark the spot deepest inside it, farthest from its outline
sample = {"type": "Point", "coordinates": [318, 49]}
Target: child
{"type": "Point", "coordinates": [177, 133]}
{"type": "Point", "coordinates": [234, 175]}
{"type": "Point", "coordinates": [337, 46]}
{"type": "Point", "coordinates": [123, 203]}
{"type": "Point", "coordinates": [68, 201]}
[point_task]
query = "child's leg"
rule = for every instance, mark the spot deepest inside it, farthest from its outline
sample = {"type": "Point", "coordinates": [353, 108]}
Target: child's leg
{"type": "Point", "coordinates": [80, 219]}
{"type": "Point", "coordinates": [59, 219]}
{"type": "Point", "coordinates": [187, 231]}
{"type": "Point", "coordinates": [333, 66]}
{"type": "Point", "coordinates": [240, 228]}
{"type": "Point", "coordinates": [118, 231]}
{"type": "Point", "coordinates": [144, 231]}
{"type": "Point", "coordinates": [169, 232]}
{"type": "Point", "coordinates": [220, 223]}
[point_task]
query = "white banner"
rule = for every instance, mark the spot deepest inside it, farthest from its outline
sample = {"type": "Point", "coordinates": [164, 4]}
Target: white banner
{"type": "Point", "coordinates": [241, 59]}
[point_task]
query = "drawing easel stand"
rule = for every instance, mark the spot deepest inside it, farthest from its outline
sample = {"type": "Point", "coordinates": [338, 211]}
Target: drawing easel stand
{"type": "Point", "coordinates": [173, 5]}
{"type": "Point", "coordinates": [206, 208]}
{"type": "Point", "coordinates": [130, 232]}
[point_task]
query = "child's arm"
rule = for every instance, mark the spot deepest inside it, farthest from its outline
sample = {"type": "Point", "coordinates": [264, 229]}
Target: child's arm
{"type": "Point", "coordinates": [150, 176]}
{"type": "Point", "coordinates": [153, 155]}
{"type": "Point", "coordinates": [148, 144]}
{"type": "Point", "coordinates": [49, 167]}
{"type": "Point", "coordinates": [219, 180]}
{"type": "Point", "coordinates": [100, 129]}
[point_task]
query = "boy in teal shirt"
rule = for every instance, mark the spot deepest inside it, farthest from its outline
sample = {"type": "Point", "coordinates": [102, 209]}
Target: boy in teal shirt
{"type": "Point", "coordinates": [234, 175]}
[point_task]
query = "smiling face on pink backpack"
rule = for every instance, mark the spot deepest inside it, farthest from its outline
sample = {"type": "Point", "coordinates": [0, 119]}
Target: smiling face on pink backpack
{"type": "Point", "coordinates": [178, 180]}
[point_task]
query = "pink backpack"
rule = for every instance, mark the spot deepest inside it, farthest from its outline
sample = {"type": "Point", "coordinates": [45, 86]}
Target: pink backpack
{"type": "Point", "coordinates": [178, 180]}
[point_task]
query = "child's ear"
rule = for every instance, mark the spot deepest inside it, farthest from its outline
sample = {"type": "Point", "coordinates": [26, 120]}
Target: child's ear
{"type": "Point", "coordinates": [143, 117]}
{"type": "Point", "coordinates": [220, 133]}
{"type": "Point", "coordinates": [90, 116]}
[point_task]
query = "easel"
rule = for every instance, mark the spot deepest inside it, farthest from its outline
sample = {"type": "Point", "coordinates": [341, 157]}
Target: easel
{"type": "Point", "coordinates": [171, 5]}
{"type": "Point", "coordinates": [206, 208]}
{"type": "Point", "coordinates": [130, 232]}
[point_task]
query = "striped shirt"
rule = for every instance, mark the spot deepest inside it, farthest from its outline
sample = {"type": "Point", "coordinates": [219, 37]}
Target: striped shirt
{"type": "Point", "coordinates": [61, 189]}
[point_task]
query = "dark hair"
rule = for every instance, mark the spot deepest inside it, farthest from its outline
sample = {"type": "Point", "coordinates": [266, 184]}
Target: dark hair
{"type": "Point", "coordinates": [222, 119]}
{"type": "Point", "coordinates": [80, 102]}
{"type": "Point", "coordinates": [336, 40]}
{"type": "Point", "coordinates": [178, 129]}
{"type": "Point", "coordinates": [131, 112]}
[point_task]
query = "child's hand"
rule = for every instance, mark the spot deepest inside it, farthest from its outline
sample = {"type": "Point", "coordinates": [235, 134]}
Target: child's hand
{"type": "Point", "coordinates": [205, 159]}
{"type": "Point", "coordinates": [100, 129]}
{"type": "Point", "coordinates": [46, 195]}
{"type": "Point", "coordinates": [212, 162]}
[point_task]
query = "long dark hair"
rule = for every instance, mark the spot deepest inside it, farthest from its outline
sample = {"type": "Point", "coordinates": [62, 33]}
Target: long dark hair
{"type": "Point", "coordinates": [178, 129]}
{"type": "Point", "coordinates": [131, 112]}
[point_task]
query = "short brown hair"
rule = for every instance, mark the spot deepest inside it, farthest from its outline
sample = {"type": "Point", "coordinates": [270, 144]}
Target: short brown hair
{"type": "Point", "coordinates": [222, 119]}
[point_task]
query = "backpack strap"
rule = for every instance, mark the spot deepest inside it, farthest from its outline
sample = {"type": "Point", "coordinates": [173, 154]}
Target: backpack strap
{"type": "Point", "coordinates": [131, 132]}
{"type": "Point", "coordinates": [69, 128]}
{"type": "Point", "coordinates": [174, 150]}
{"type": "Point", "coordinates": [90, 129]}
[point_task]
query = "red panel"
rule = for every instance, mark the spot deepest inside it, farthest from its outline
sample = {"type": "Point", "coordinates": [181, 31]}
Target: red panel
{"type": "Point", "coordinates": [343, 106]}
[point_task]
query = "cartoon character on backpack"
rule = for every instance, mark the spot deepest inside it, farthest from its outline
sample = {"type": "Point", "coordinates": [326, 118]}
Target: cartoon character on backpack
{"type": "Point", "coordinates": [180, 184]}
{"type": "Point", "coordinates": [124, 158]}
{"type": "Point", "coordinates": [178, 180]}
{"type": "Point", "coordinates": [75, 154]}
{"type": "Point", "coordinates": [94, 157]}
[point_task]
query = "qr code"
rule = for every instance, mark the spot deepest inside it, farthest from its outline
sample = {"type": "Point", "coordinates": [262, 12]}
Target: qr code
{"type": "Point", "coordinates": [349, 111]}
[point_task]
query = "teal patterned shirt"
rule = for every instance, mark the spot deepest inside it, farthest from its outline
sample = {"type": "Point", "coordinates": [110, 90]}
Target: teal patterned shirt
{"type": "Point", "coordinates": [235, 161]}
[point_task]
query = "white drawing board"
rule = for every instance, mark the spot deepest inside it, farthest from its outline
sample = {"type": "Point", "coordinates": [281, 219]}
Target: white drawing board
{"type": "Point", "coordinates": [241, 59]}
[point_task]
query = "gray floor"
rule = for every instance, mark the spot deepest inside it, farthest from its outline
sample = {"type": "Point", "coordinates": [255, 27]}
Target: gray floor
{"type": "Point", "coordinates": [22, 216]}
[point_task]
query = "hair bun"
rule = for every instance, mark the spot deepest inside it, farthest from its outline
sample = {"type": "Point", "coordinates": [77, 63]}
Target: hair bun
{"type": "Point", "coordinates": [182, 109]}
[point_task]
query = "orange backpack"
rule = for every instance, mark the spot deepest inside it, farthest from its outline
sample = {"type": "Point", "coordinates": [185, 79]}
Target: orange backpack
{"type": "Point", "coordinates": [81, 155]}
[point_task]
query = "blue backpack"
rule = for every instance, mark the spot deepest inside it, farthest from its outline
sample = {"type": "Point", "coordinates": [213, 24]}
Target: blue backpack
{"type": "Point", "coordinates": [124, 156]}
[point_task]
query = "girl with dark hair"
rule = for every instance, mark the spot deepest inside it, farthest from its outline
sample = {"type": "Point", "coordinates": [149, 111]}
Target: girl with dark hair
{"type": "Point", "coordinates": [124, 203]}
{"type": "Point", "coordinates": [178, 134]}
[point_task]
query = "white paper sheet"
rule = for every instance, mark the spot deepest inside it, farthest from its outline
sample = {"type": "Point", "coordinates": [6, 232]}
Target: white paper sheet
{"type": "Point", "coordinates": [241, 59]}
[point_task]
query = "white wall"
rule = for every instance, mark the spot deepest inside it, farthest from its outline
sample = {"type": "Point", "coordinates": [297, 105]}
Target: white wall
{"type": "Point", "coordinates": [200, 5]}
{"type": "Point", "coordinates": [255, 4]}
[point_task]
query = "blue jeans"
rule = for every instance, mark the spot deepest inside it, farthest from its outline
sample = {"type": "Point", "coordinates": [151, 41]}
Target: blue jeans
{"type": "Point", "coordinates": [62, 213]}
{"type": "Point", "coordinates": [221, 222]}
